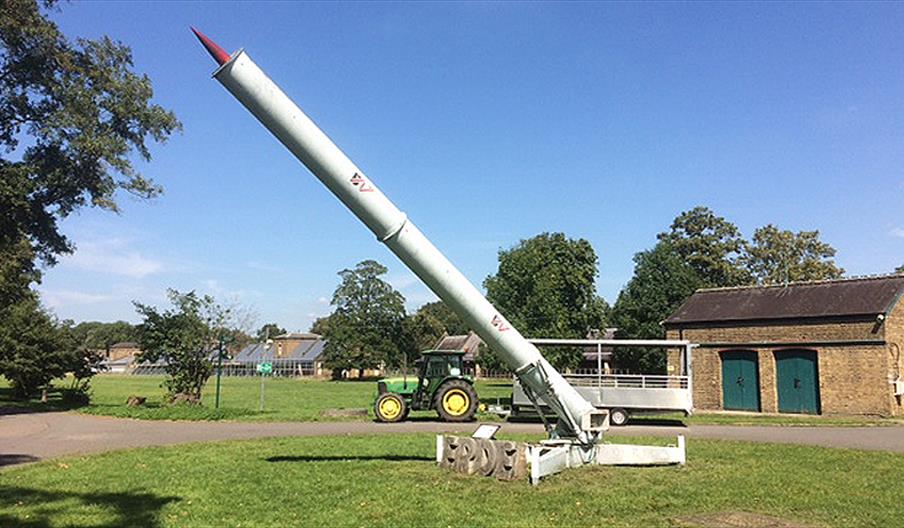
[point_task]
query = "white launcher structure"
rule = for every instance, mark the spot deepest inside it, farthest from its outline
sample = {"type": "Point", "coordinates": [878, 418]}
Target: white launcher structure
{"type": "Point", "coordinates": [578, 420]}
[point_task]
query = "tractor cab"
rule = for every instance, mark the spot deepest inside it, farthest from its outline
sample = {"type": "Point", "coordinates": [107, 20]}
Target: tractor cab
{"type": "Point", "coordinates": [440, 384]}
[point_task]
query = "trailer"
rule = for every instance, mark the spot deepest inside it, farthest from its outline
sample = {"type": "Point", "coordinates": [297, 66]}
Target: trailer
{"type": "Point", "coordinates": [622, 395]}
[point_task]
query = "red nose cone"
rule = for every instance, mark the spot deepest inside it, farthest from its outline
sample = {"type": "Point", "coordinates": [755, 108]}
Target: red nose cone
{"type": "Point", "coordinates": [218, 53]}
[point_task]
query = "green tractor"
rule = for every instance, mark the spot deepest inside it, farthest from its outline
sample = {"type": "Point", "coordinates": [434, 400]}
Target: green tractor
{"type": "Point", "coordinates": [440, 385]}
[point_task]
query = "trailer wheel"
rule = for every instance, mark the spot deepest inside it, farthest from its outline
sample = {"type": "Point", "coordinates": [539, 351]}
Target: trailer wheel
{"type": "Point", "coordinates": [390, 407]}
{"type": "Point", "coordinates": [618, 417]}
{"type": "Point", "coordinates": [456, 401]}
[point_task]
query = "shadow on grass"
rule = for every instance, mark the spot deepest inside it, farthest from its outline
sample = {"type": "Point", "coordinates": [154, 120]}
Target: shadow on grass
{"type": "Point", "coordinates": [44, 509]}
{"type": "Point", "coordinates": [57, 400]}
{"type": "Point", "coordinates": [341, 458]}
{"type": "Point", "coordinates": [11, 459]}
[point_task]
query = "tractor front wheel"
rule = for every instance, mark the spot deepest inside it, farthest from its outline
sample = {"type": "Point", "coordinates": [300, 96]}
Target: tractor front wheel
{"type": "Point", "coordinates": [456, 401]}
{"type": "Point", "coordinates": [390, 407]}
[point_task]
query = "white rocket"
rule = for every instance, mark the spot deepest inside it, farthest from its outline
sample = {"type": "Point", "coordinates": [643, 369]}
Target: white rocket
{"type": "Point", "coordinates": [578, 419]}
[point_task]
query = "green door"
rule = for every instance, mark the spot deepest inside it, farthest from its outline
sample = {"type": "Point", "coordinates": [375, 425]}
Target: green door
{"type": "Point", "coordinates": [798, 381]}
{"type": "Point", "coordinates": [740, 381]}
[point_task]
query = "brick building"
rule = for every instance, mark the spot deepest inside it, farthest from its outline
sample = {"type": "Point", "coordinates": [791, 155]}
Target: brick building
{"type": "Point", "coordinates": [828, 347]}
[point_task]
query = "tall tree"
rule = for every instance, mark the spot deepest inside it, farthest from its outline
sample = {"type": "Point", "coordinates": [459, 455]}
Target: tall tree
{"type": "Point", "coordinates": [451, 322]}
{"type": "Point", "coordinates": [776, 256]}
{"type": "Point", "coordinates": [710, 244]}
{"type": "Point", "coordinates": [73, 116]}
{"type": "Point", "coordinates": [35, 349]}
{"type": "Point", "coordinates": [662, 280]}
{"type": "Point", "coordinates": [185, 337]}
{"type": "Point", "coordinates": [365, 328]}
{"type": "Point", "coordinates": [545, 286]}
{"type": "Point", "coordinates": [96, 335]}
{"type": "Point", "coordinates": [270, 330]}
{"type": "Point", "coordinates": [321, 325]}
{"type": "Point", "coordinates": [421, 330]}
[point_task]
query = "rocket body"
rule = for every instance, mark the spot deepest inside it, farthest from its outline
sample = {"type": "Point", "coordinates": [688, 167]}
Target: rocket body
{"type": "Point", "coordinates": [267, 102]}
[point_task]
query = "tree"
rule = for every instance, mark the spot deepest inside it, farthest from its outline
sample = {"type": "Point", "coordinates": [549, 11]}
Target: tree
{"type": "Point", "coordinates": [776, 256]}
{"type": "Point", "coordinates": [321, 325]}
{"type": "Point", "coordinates": [545, 286]}
{"type": "Point", "coordinates": [420, 331]}
{"type": "Point", "coordinates": [96, 335]}
{"type": "Point", "coordinates": [185, 337]}
{"type": "Point", "coordinates": [662, 281]}
{"type": "Point", "coordinates": [424, 328]}
{"type": "Point", "coordinates": [365, 328]}
{"type": "Point", "coordinates": [72, 117]}
{"type": "Point", "coordinates": [17, 272]}
{"type": "Point", "coordinates": [269, 330]}
{"type": "Point", "coordinates": [900, 269]}
{"type": "Point", "coordinates": [450, 321]}
{"type": "Point", "coordinates": [710, 244]}
{"type": "Point", "coordinates": [34, 350]}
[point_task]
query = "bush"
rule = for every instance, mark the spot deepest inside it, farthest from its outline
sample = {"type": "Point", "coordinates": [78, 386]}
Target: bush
{"type": "Point", "coordinates": [35, 349]}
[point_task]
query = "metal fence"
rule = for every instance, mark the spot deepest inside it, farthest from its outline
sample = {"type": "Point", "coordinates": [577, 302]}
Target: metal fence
{"type": "Point", "coordinates": [285, 368]}
{"type": "Point", "coordinates": [637, 381]}
{"type": "Point", "coordinates": [495, 374]}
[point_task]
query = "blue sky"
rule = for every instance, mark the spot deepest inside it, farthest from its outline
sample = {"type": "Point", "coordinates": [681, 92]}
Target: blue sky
{"type": "Point", "coordinates": [488, 123]}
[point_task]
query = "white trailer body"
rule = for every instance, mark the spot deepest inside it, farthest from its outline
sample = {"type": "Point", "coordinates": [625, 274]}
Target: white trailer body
{"type": "Point", "coordinates": [623, 394]}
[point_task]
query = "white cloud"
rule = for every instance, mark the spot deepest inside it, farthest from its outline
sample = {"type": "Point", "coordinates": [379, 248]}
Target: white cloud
{"type": "Point", "coordinates": [113, 257]}
{"type": "Point", "coordinates": [897, 232]}
{"type": "Point", "coordinates": [64, 298]}
{"type": "Point", "coordinates": [323, 300]}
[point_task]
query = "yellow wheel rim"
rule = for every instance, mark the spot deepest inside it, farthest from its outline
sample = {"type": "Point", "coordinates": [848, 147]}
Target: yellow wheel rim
{"type": "Point", "coordinates": [390, 408]}
{"type": "Point", "coordinates": [456, 402]}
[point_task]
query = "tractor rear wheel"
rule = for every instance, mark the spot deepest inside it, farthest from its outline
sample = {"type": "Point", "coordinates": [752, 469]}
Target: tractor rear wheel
{"type": "Point", "coordinates": [390, 407]}
{"type": "Point", "coordinates": [456, 401]}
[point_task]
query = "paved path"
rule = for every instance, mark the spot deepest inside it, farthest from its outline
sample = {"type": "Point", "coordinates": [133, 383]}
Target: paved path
{"type": "Point", "coordinates": [33, 436]}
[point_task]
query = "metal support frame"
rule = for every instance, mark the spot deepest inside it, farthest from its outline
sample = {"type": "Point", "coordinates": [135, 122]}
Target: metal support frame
{"type": "Point", "coordinates": [549, 458]}
{"type": "Point", "coordinates": [553, 456]}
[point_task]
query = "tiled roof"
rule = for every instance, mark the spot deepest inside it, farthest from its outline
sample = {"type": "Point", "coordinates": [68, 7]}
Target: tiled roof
{"type": "Point", "coordinates": [835, 298]}
{"type": "Point", "coordinates": [469, 343]}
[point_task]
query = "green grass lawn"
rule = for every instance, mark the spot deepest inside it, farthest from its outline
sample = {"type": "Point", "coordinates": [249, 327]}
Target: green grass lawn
{"type": "Point", "coordinates": [285, 399]}
{"type": "Point", "coordinates": [393, 481]}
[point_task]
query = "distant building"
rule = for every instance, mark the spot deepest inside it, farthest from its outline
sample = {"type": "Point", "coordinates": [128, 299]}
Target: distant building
{"type": "Point", "coordinates": [123, 350]}
{"type": "Point", "coordinates": [594, 355]}
{"type": "Point", "coordinates": [120, 358]}
{"type": "Point", "coordinates": [291, 354]}
{"type": "Point", "coordinates": [468, 343]}
{"type": "Point", "coordinates": [832, 347]}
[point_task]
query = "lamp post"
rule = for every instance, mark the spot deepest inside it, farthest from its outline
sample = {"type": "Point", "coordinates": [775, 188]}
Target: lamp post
{"type": "Point", "coordinates": [266, 348]}
{"type": "Point", "coordinates": [219, 370]}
